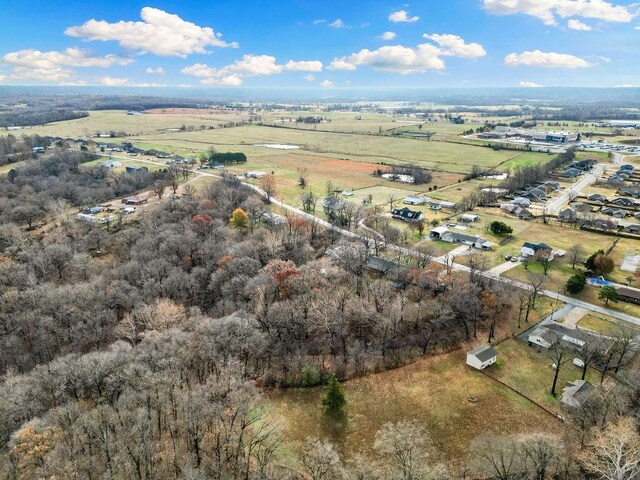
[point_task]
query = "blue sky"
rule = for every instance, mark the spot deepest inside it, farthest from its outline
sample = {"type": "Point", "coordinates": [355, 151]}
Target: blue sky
{"type": "Point", "coordinates": [324, 44]}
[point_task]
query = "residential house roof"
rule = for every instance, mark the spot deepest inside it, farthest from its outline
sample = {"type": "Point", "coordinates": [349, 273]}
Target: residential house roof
{"type": "Point", "coordinates": [628, 292]}
{"type": "Point", "coordinates": [406, 214]}
{"type": "Point", "coordinates": [536, 246]}
{"type": "Point", "coordinates": [483, 353]}
{"type": "Point", "coordinates": [576, 393]}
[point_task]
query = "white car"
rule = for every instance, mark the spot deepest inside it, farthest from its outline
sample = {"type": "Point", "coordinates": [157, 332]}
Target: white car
{"type": "Point", "coordinates": [578, 363]}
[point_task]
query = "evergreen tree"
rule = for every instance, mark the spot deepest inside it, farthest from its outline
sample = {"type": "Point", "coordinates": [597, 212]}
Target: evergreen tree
{"type": "Point", "coordinates": [334, 399]}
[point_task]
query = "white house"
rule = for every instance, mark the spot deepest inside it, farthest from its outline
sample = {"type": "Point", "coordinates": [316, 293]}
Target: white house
{"type": "Point", "coordinates": [411, 200]}
{"type": "Point", "coordinates": [543, 337]}
{"type": "Point", "coordinates": [469, 217]}
{"type": "Point", "coordinates": [481, 357]}
{"type": "Point", "coordinates": [530, 249]}
{"type": "Point", "coordinates": [255, 174]}
{"type": "Point", "coordinates": [576, 393]}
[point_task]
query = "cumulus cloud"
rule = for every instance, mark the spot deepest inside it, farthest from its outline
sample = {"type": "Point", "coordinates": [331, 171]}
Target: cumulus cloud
{"type": "Point", "coordinates": [574, 24]}
{"type": "Point", "coordinates": [326, 84]}
{"type": "Point", "coordinates": [71, 57]}
{"type": "Point", "coordinates": [530, 84]}
{"type": "Point", "coordinates": [248, 66]}
{"type": "Point", "coordinates": [154, 71]}
{"type": "Point", "coordinates": [124, 82]}
{"type": "Point", "coordinates": [402, 16]}
{"type": "Point", "coordinates": [160, 33]}
{"type": "Point", "coordinates": [388, 36]}
{"type": "Point", "coordinates": [455, 46]}
{"type": "Point", "coordinates": [536, 58]}
{"type": "Point", "coordinates": [52, 66]}
{"type": "Point", "coordinates": [113, 81]}
{"type": "Point", "coordinates": [548, 10]}
{"type": "Point", "coordinates": [405, 60]}
{"type": "Point", "coordinates": [337, 23]}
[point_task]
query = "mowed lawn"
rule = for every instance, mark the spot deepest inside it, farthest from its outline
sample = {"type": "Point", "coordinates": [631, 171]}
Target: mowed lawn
{"type": "Point", "coordinates": [433, 391]}
{"type": "Point", "coordinates": [530, 373]}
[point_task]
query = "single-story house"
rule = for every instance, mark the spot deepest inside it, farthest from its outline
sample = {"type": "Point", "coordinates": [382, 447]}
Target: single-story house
{"type": "Point", "coordinates": [136, 169]}
{"type": "Point", "coordinates": [411, 200]}
{"type": "Point", "coordinates": [255, 174]}
{"type": "Point", "coordinates": [481, 357]}
{"type": "Point", "coordinates": [522, 213]}
{"type": "Point", "coordinates": [553, 186]}
{"type": "Point", "coordinates": [602, 223]}
{"type": "Point", "coordinates": [537, 193]}
{"type": "Point", "coordinates": [85, 217]}
{"type": "Point", "coordinates": [446, 204]}
{"type": "Point", "coordinates": [630, 191]}
{"type": "Point", "coordinates": [628, 294]}
{"type": "Point", "coordinates": [596, 197]}
{"type": "Point", "coordinates": [94, 210]}
{"type": "Point", "coordinates": [111, 164]}
{"type": "Point", "coordinates": [628, 167]}
{"type": "Point", "coordinates": [572, 337]}
{"type": "Point", "coordinates": [623, 202]}
{"type": "Point", "coordinates": [128, 210]}
{"type": "Point", "coordinates": [332, 203]}
{"type": "Point", "coordinates": [582, 207]}
{"type": "Point", "coordinates": [529, 249]}
{"type": "Point", "coordinates": [135, 200]}
{"type": "Point", "coordinates": [521, 202]}
{"type": "Point", "coordinates": [468, 218]}
{"type": "Point", "coordinates": [407, 215]}
{"type": "Point", "coordinates": [435, 206]}
{"type": "Point", "coordinates": [576, 393]}
{"type": "Point", "coordinates": [543, 337]}
{"type": "Point", "coordinates": [437, 232]}
{"type": "Point", "coordinates": [614, 212]}
{"type": "Point", "coordinates": [570, 173]}
{"type": "Point", "coordinates": [463, 238]}
{"type": "Point", "coordinates": [633, 228]}
{"type": "Point", "coordinates": [568, 215]}
{"type": "Point", "coordinates": [616, 179]}
{"type": "Point", "coordinates": [273, 219]}
{"type": "Point", "coordinates": [38, 149]}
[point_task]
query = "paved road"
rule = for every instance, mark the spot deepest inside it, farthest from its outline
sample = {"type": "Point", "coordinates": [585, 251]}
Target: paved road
{"type": "Point", "coordinates": [409, 251]}
{"type": "Point", "coordinates": [554, 206]}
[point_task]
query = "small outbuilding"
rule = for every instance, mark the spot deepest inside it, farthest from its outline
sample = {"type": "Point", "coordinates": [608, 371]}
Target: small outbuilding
{"type": "Point", "coordinates": [469, 217]}
{"type": "Point", "coordinates": [481, 357]}
{"type": "Point", "coordinates": [576, 393]}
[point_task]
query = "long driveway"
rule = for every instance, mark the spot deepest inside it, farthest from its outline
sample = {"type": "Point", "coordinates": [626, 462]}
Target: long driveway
{"type": "Point", "coordinates": [409, 251]}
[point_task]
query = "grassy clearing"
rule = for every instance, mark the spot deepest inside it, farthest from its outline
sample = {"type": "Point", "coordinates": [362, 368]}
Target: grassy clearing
{"type": "Point", "coordinates": [433, 391]}
{"type": "Point", "coordinates": [529, 371]}
{"type": "Point", "coordinates": [604, 323]}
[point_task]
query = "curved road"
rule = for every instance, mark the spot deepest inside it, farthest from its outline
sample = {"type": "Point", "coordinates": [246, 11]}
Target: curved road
{"type": "Point", "coordinates": [408, 251]}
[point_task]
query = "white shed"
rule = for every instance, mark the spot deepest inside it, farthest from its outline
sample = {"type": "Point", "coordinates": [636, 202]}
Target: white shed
{"type": "Point", "coordinates": [469, 217]}
{"type": "Point", "coordinates": [481, 357]}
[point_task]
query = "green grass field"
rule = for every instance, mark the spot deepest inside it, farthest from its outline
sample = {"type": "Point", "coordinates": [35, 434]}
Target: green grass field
{"type": "Point", "coordinates": [605, 324]}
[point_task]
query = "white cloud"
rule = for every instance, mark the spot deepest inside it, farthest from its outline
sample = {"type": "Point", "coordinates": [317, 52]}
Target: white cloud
{"type": "Point", "coordinates": [160, 33]}
{"type": "Point", "coordinates": [337, 23]}
{"type": "Point", "coordinates": [319, 21]}
{"type": "Point", "coordinates": [401, 59]}
{"type": "Point", "coordinates": [455, 46]}
{"type": "Point", "coordinates": [547, 10]}
{"type": "Point", "coordinates": [402, 16]}
{"type": "Point", "coordinates": [154, 71]}
{"type": "Point", "coordinates": [51, 67]}
{"type": "Point", "coordinates": [530, 84]}
{"type": "Point", "coordinates": [76, 83]}
{"type": "Point", "coordinates": [248, 66]}
{"type": "Point", "coordinates": [396, 58]}
{"type": "Point", "coordinates": [326, 84]}
{"type": "Point", "coordinates": [113, 81]}
{"type": "Point", "coordinates": [71, 57]}
{"type": "Point", "coordinates": [536, 58]}
{"type": "Point", "coordinates": [124, 82]}
{"type": "Point", "coordinates": [388, 36]}
{"type": "Point", "coordinates": [625, 85]}
{"type": "Point", "coordinates": [637, 27]}
{"type": "Point", "coordinates": [309, 77]}
{"type": "Point", "coordinates": [574, 24]}
{"type": "Point", "coordinates": [605, 59]}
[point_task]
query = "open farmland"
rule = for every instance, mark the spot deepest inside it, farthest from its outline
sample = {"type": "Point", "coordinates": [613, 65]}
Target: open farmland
{"type": "Point", "coordinates": [434, 391]}
{"type": "Point", "coordinates": [105, 121]}
{"type": "Point", "coordinates": [367, 148]}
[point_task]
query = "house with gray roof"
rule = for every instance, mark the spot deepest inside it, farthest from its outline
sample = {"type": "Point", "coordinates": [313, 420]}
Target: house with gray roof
{"type": "Point", "coordinates": [464, 239]}
{"type": "Point", "coordinates": [576, 393]}
{"type": "Point", "coordinates": [481, 357]}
